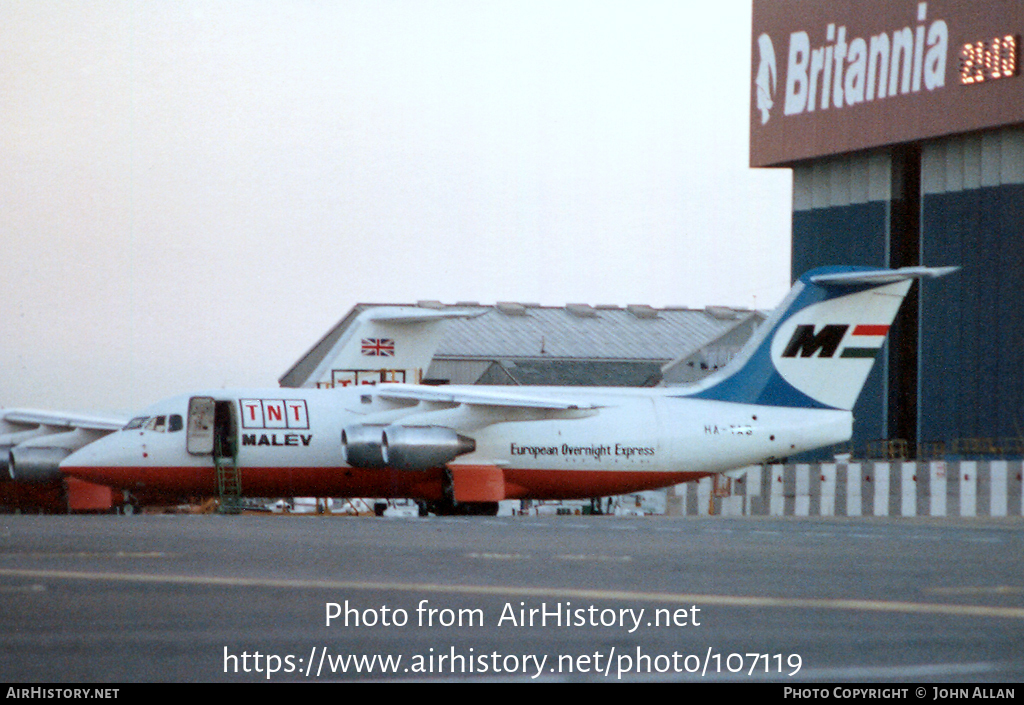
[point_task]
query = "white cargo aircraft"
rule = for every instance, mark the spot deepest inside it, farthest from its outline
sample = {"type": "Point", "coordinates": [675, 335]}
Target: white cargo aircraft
{"type": "Point", "coordinates": [463, 449]}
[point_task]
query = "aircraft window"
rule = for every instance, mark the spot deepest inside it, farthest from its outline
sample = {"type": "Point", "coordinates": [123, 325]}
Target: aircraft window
{"type": "Point", "coordinates": [157, 423]}
{"type": "Point", "coordinates": [175, 423]}
{"type": "Point", "coordinates": [135, 423]}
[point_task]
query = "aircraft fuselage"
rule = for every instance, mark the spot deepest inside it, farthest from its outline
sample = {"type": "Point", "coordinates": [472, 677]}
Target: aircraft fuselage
{"type": "Point", "coordinates": [288, 442]}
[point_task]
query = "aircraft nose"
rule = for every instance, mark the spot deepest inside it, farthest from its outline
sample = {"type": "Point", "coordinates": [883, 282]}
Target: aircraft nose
{"type": "Point", "coordinates": [93, 461]}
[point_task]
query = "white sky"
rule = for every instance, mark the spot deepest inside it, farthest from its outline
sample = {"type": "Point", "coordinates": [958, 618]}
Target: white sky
{"type": "Point", "coordinates": [192, 193]}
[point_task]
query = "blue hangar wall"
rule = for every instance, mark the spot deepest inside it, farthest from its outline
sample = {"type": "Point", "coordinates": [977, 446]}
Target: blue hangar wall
{"type": "Point", "coordinates": [972, 327]}
{"type": "Point", "coordinates": [840, 216]}
{"type": "Point", "coordinates": [954, 365]}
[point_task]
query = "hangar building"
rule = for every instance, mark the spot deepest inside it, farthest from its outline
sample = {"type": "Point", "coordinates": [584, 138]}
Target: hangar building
{"type": "Point", "coordinates": [903, 123]}
{"type": "Point", "coordinates": [575, 345]}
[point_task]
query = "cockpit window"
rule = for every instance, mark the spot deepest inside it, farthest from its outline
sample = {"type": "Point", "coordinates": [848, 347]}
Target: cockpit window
{"type": "Point", "coordinates": [160, 424]}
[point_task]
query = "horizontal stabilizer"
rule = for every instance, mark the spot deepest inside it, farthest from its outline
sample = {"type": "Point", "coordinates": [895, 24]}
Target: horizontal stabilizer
{"type": "Point", "coordinates": [880, 276]}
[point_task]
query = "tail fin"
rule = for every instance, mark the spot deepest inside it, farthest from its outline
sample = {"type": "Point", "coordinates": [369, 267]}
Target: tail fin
{"type": "Point", "coordinates": [382, 344]}
{"type": "Point", "coordinates": [818, 347]}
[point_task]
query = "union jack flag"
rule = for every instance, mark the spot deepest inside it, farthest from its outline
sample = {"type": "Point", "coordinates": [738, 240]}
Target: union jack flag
{"type": "Point", "coordinates": [379, 347]}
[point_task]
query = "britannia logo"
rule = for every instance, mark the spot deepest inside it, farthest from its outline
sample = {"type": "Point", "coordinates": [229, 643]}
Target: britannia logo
{"type": "Point", "coordinates": [767, 77]}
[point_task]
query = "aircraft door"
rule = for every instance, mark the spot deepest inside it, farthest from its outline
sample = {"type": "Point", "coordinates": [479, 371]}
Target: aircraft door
{"type": "Point", "coordinates": [211, 427]}
{"type": "Point", "coordinates": [225, 430]}
{"type": "Point", "coordinates": [201, 413]}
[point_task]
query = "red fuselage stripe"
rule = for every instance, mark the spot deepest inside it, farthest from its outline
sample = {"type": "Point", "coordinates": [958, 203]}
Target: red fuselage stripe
{"type": "Point", "coordinates": [355, 482]}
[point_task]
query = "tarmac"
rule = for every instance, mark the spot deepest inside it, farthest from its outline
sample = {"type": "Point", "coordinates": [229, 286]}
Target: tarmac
{"type": "Point", "coordinates": [180, 598]}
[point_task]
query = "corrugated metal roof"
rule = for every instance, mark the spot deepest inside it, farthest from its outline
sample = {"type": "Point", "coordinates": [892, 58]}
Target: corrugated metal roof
{"type": "Point", "coordinates": [608, 334]}
{"type": "Point", "coordinates": [580, 373]}
{"type": "Point", "coordinates": [527, 331]}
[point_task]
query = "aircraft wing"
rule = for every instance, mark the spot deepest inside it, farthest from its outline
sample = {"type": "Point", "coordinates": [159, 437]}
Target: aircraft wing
{"type": "Point", "coordinates": [34, 442]}
{"type": "Point", "coordinates": [62, 419]}
{"type": "Point", "coordinates": [430, 433]}
{"type": "Point", "coordinates": [462, 395]}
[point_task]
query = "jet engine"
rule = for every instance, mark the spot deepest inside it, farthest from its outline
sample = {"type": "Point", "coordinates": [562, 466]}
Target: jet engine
{"type": "Point", "coordinates": [422, 447]}
{"type": "Point", "coordinates": [38, 458]}
{"type": "Point", "coordinates": [34, 464]}
{"type": "Point", "coordinates": [403, 447]}
{"type": "Point", "coordinates": [11, 440]}
{"type": "Point", "coordinates": [361, 446]}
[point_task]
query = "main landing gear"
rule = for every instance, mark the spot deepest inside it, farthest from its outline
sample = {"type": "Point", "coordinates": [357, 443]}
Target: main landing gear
{"type": "Point", "coordinates": [450, 507]}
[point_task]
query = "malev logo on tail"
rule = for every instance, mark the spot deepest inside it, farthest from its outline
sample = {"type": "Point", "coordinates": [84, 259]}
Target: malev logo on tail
{"type": "Point", "coordinates": [865, 341]}
{"type": "Point", "coordinates": [827, 349]}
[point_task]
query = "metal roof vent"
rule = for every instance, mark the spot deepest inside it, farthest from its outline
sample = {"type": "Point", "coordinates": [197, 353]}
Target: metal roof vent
{"type": "Point", "coordinates": [722, 313]}
{"type": "Point", "coordinates": [581, 310]}
{"type": "Point", "coordinates": [643, 311]}
{"type": "Point", "coordinates": [430, 304]}
{"type": "Point", "coordinates": [511, 308]}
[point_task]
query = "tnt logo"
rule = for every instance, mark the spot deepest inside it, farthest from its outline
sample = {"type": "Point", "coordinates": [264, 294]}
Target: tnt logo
{"type": "Point", "coordinates": [274, 413]}
{"type": "Point", "coordinates": [865, 341]}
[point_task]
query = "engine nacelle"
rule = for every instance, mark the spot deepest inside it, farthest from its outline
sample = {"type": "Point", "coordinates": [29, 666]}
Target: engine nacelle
{"type": "Point", "coordinates": [11, 440]}
{"type": "Point", "coordinates": [423, 447]}
{"type": "Point", "coordinates": [362, 446]}
{"type": "Point", "coordinates": [34, 464]}
{"type": "Point", "coordinates": [402, 447]}
{"type": "Point", "coordinates": [38, 458]}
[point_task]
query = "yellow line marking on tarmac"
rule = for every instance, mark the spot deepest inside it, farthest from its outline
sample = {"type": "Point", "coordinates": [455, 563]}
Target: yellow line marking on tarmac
{"type": "Point", "coordinates": [557, 593]}
{"type": "Point", "coordinates": [87, 554]}
{"type": "Point", "coordinates": [977, 590]}
{"type": "Point", "coordinates": [23, 588]}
